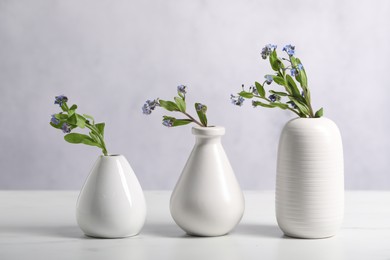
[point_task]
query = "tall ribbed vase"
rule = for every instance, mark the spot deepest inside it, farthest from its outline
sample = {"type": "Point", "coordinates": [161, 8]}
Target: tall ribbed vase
{"type": "Point", "coordinates": [310, 178]}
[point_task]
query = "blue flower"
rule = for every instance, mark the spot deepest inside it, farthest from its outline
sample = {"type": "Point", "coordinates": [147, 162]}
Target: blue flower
{"type": "Point", "coordinates": [237, 100]}
{"type": "Point", "coordinates": [146, 109]}
{"type": "Point", "coordinates": [149, 106]}
{"type": "Point", "coordinates": [200, 107]}
{"type": "Point", "coordinates": [268, 79]}
{"type": "Point", "coordinates": [289, 49]}
{"type": "Point", "coordinates": [168, 122]}
{"type": "Point", "coordinates": [60, 100]}
{"type": "Point", "coordinates": [65, 128]}
{"type": "Point", "coordinates": [54, 120]}
{"type": "Point", "coordinates": [274, 98]}
{"type": "Point", "coordinates": [292, 104]}
{"type": "Point", "coordinates": [300, 66]}
{"type": "Point", "coordinates": [266, 51]}
{"type": "Point", "coordinates": [294, 72]}
{"type": "Point", "coordinates": [182, 89]}
{"type": "Point", "coordinates": [253, 90]}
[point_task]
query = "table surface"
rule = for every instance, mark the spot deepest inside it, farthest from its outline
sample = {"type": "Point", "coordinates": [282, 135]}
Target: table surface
{"type": "Point", "coordinates": [42, 225]}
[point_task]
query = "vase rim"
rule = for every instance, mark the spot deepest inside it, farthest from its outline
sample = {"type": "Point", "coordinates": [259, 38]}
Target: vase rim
{"type": "Point", "coordinates": [208, 131]}
{"type": "Point", "coordinates": [310, 118]}
{"type": "Point", "coordinates": [111, 155]}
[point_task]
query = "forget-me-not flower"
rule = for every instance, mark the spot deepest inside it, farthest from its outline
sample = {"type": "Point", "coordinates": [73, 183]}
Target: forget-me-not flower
{"type": "Point", "coordinates": [266, 51]}
{"type": "Point", "coordinates": [289, 49]}
{"type": "Point", "coordinates": [238, 101]}
{"type": "Point", "coordinates": [66, 128]}
{"type": "Point", "coordinates": [54, 120]}
{"type": "Point", "coordinates": [60, 100]}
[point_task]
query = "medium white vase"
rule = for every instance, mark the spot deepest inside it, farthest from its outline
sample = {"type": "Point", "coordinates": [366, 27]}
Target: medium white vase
{"type": "Point", "coordinates": [310, 178]}
{"type": "Point", "coordinates": [207, 199]}
{"type": "Point", "coordinates": [111, 203]}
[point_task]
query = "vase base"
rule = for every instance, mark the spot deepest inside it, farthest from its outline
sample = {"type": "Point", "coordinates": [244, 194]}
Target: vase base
{"type": "Point", "coordinates": [289, 235]}
{"type": "Point", "coordinates": [206, 235]}
{"type": "Point", "coordinates": [109, 237]}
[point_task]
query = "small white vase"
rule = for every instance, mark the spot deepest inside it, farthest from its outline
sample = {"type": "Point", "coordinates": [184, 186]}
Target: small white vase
{"type": "Point", "coordinates": [111, 203]}
{"type": "Point", "coordinates": [207, 199]}
{"type": "Point", "coordinates": [310, 178]}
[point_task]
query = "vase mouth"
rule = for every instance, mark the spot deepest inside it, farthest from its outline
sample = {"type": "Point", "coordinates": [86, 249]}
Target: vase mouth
{"type": "Point", "coordinates": [309, 118]}
{"type": "Point", "coordinates": [111, 155]}
{"type": "Point", "coordinates": [208, 131]}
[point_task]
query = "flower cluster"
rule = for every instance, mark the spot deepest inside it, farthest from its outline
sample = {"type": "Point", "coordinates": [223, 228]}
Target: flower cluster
{"type": "Point", "coordinates": [237, 100]}
{"type": "Point", "coordinates": [178, 105]}
{"type": "Point", "coordinates": [149, 106]}
{"type": "Point", "coordinates": [267, 50]}
{"type": "Point", "coordinates": [295, 88]}
{"type": "Point", "coordinates": [68, 119]}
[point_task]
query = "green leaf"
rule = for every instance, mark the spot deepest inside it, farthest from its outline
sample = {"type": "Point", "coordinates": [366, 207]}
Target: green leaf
{"type": "Point", "coordinates": [246, 94]}
{"type": "Point", "coordinates": [73, 107]}
{"type": "Point", "coordinates": [280, 105]}
{"type": "Point", "coordinates": [169, 105]}
{"type": "Point", "coordinates": [293, 61]}
{"type": "Point", "coordinates": [89, 117]}
{"type": "Point", "coordinates": [100, 128]}
{"type": "Point", "coordinates": [56, 126]}
{"type": "Point", "coordinates": [61, 116]}
{"type": "Point", "coordinates": [80, 121]}
{"type": "Point", "coordinates": [258, 103]}
{"type": "Point", "coordinates": [181, 104]}
{"type": "Point", "coordinates": [273, 59]}
{"type": "Point", "coordinates": [293, 86]}
{"type": "Point", "coordinates": [181, 95]}
{"type": "Point", "coordinates": [280, 63]}
{"type": "Point", "coordinates": [202, 114]}
{"type": "Point", "coordinates": [301, 106]}
{"type": "Point", "coordinates": [260, 89]}
{"type": "Point", "coordinates": [94, 137]}
{"type": "Point", "coordinates": [179, 122]}
{"type": "Point", "coordinates": [92, 143]}
{"type": "Point", "coordinates": [282, 94]}
{"type": "Point", "coordinates": [76, 138]}
{"type": "Point", "coordinates": [319, 113]}
{"type": "Point", "coordinates": [302, 75]}
{"type": "Point", "coordinates": [72, 120]}
{"type": "Point", "coordinates": [279, 80]}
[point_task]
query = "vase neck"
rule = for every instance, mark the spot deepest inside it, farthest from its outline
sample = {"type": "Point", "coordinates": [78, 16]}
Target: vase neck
{"type": "Point", "coordinates": [208, 132]}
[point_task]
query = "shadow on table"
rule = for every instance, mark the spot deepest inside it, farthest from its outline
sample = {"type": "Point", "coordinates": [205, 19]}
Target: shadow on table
{"type": "Point", "coordinates": [173, 231]}
{"type": "Point", "coordinates": [260, 230]}
{"type": "Point", "coordinates": [159, 230]}
{"type": "Point", "coordinates": [164, 230]}
{"type": "Point", "coordinates": [52, 231]}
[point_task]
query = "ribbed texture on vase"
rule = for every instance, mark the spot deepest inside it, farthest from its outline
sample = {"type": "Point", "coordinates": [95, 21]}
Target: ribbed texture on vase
{"type": "Point", "coordinates": [310, 179]}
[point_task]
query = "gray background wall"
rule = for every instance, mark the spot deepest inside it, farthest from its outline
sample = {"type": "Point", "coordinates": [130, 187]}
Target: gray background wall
{"type": "Point", "coordinates": [110, 56]}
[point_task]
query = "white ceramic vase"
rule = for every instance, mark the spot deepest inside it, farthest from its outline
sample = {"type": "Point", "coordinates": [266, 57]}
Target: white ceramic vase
{"type": "Point", "coordinates": [207, 199]}
{"type": "Point", "coordinates": [310, 178]}
{"type": "Point", "coordinates": [111, 203]}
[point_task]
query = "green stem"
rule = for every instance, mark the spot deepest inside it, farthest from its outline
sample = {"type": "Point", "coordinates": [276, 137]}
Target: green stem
{"type": "Point", "coordinates": [101, 138]}
{"type": "Point", "coordinates": [193, 119]}
{"type": "Point", "coordinates": [308, 99]}
{"type": "Point", "coordinates": [289, 108]}
{"type": "Point", "coordinates": [65, 107]}
{"type": "Point", "coordinates": [305, 90]}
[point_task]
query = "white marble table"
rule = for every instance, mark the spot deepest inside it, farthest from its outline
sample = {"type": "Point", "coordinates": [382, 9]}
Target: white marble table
{"type": "Point", "coordinates": [41, 225]}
